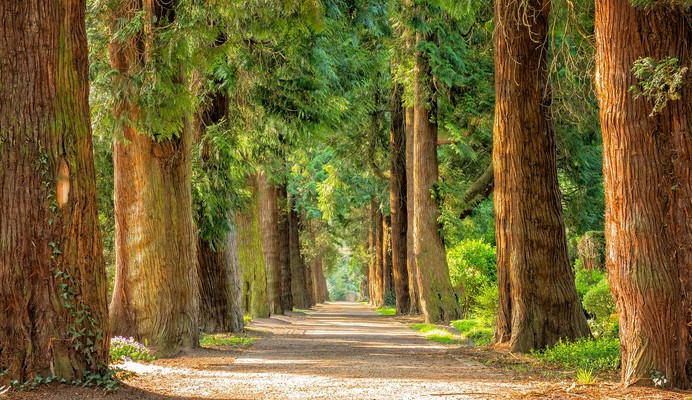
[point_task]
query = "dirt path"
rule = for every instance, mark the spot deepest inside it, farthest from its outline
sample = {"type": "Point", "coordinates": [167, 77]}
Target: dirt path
{"type": "Point", "coordinates": [336, 351]}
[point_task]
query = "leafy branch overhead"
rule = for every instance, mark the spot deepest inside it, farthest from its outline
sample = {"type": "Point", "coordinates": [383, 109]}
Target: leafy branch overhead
{"type": "Point", "coordinates": [659, 81]}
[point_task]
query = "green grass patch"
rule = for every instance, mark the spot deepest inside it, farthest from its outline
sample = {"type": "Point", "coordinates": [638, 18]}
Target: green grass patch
{"type": "Point", "coordinates": [437, 334]}
{"type": "Point", "coordinates": [474, 330]}
{"type": "Point", "coordinates": [387, 310]}
{"type": "Point", "coordinates": [298, 310]}
{"type": "Point", "coordinates": [247, 319]}
{"type": "Point", "coordinates": [225, 339]}
{"type": "Point", "coordinates": [602, 354]}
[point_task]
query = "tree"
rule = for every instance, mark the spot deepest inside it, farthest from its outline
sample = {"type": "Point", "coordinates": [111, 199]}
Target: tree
{"type": "Point", "coordinates": [538, 299]}
{"type": "Point", "coordinates": [53, 295]}
{"type": "Point", "coordinates": [269, 218]}
{"type": "Point", "coordinates": [648, 184]}
{"type": "Point", "coordinates": [155, 295]}
{"type": "Point", "coordinates": [398, 206]}
{"type": "Point", "coordinates": [438, 302]}
{"type": "Point", "coordinates": [301, 292]}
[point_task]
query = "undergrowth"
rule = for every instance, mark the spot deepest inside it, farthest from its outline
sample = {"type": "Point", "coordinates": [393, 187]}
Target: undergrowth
{"type": "Point", "coordinates": [128, 349]}
{"type": "Point", "coordinates": [225, 339]}
{"type": "Point", "coordinates": [437, 334]}
{"type": "Point", "coordinates": [387, 311]}
{"type": "Point", "coordinates": [474, 330]}
{"type": "Point", "coordinates": [602, 354]}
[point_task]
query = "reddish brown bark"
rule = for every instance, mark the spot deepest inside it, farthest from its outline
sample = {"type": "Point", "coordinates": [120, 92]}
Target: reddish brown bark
{"type": "Point", "coordinates": [378, 284]}
{"type": "Point", "coordinates": [299, 288]}
{"type": "Point", "coordinates": [284, 249]}
{"type": "Point", "coordinates": [49, 233]}
{"type": "Point", "coordinates": [155, 294]}
{"type": "Point", "coordinates": [414, 291]}
{"type": "Point", "coordinates": [648, 178]}
{"type": "Point", "coordinates": [438, 301]}
{"type": "Point", "coordinates": [538, 299]}
{"type": "Point", "coordinates": [269, 217]}
{"type": "Point", "coordinates": [397, 201]}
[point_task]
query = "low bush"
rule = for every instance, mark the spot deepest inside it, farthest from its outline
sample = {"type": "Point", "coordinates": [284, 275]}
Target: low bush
{"type": "Point", "coordinates": [471, 268]}
{"type": "Point", "coordinates": [599, 303]}
{"type": "Point", "coordinates": [474, 330]}
{"type": "Point", "coordinates": [586, 279]}
{"type": "Point", "coordinates": [128, 349]}
{"type": "Point", "coordinates": [596, 354]}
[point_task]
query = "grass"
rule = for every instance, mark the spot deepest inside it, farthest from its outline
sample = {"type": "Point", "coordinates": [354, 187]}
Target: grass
{"type": "Point", "coordinates": [437, 334]}
{"type": "Point", "coordinates": [474, 330]}
{"type": "Point", "coordinates": [246, 319]}
{"type": "Point", "coordinates": [387, 311]}
{"type": "Point", "coordinates": [298, 310]}
{"type": "Point", "coordinates": [602, 354]}
{"type": "Point", "coordinates": [584, 376]}
{"type": "Point", "coordinates": [225, 339]}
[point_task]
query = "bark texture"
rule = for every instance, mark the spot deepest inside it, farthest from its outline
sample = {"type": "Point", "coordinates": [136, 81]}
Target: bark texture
{"type": "Point", "coordinates": [155, 294]}
{"type": "Point", "coordinates": [249, 231]}
{"type": "Point", "coordinates": [397, 201]}
{"type": "Point", "coordinates": [299, 287]}
{"type": "Point", "coordinates": [284, 248]}
{"type": "Point", "coordinates": [50, 244]}
{"type": "Point", "coordinates": [648, 191]}
{"type": "Point", "coordinates": [538, 299]}
{"type": "Point", "coordinates": [269, 217]}
{"type": "Point", "coordinates": [414, 291]}
{"type": "Point", "coordinates": [438, 300]}
{"type": "Point", "coordinates": [220, 286]}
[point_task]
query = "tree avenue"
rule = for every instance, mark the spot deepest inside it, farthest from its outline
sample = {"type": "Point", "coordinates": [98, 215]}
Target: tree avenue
{"type": "Point", "coordinates": [516, 170]}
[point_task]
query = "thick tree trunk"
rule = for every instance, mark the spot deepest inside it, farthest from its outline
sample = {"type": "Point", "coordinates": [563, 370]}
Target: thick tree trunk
{"type": "Point", "coordinates": [397, 199]}
{"type": "Point", "coordinates": [438, 301]}
{"type": "Point", "coordinates": [221, 304]}
{"type": "Point", "coordinates": [309, 274]}
{"type": "Point", "coordinates": [284, 249]}
{"type": "Point", "coordinates": [299, 288]}
{"type": "Point", "coordinates": [250, 248]}
{"type": "Point", "coordinates": [648, 190]}
{"type": "Point", "coordinates": [372, 270]}
{"type": "Point", "coordinates": [414, 291]}
{"type": "Point", "coordinates": [51, 263]}
{"type": "Point", "coordinates": [269, 217]}
{"type": "Point", "coordinates": [538, 299]}
{"type": "Point", "coordinates": [155, 294]}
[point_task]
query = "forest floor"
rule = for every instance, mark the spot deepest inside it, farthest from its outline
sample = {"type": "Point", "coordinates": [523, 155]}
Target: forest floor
{"type": "Point", "coordinates": [346, 351]}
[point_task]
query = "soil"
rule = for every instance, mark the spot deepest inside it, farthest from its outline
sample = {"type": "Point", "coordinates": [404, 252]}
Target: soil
{"type": "Point", "coordinates": [346, 351]}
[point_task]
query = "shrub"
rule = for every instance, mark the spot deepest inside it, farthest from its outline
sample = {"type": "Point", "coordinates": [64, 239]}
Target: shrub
{"type": "Point", "coordinates": [471, 267]}
{"type": "Point", "coordinates": [596, 354]}
{"type": "Point", "coordinates": [586, 279]}
{"type": "Point", "coordinates": [485, 309]}
{"type": "Point", "coordinates": [128, 349]}
{"type": "Point", "coordinates": [598, 302]}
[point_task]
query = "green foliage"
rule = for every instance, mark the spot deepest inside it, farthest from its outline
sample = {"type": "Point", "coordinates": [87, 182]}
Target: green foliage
{"type": "Point", "coordinates": [436, 334]}
{"type": "Point", "coordinates": [225, 340]}
{"type": "Point", "coordinates": [586, 279]}
{"type": "Point", "coordinates": [659, 81]}
{"type": "Point", "coordinates": [475, 330]}
{"type": "Point", "coordinates": [600, 354]}
{"type": "Point", "coordinates": [471, 267]}
{"type": "Point", "coordinates": [128, 349]}
{"type": "Point", "coordinates": [584, 376]}
{"type": "Point", "coordinates": [486, 305]}
{"type": "Point", "coordinates": [389, 311]}
{"type": "Point", "coordinates": [109, 381]}
{"type": "Point", "coordinates": [591, 249]}
{"type": "Point", "coordinates": [598, 301]}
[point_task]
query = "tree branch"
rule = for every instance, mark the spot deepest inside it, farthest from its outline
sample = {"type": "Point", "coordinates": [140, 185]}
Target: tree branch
{"type": "Point", "coordinates": [478, 191]}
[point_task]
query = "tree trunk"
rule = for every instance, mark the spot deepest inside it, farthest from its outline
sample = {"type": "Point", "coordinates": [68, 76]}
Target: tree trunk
{"type": "Point", "coordinates": [269, 217]}
{"type": "Point", "coordinates": [388, 297]}
{"type": "Point", "coordinates": [372, 270]}
{"type": "Point", "coordinates": [221, 304]}
{"type": "Point", "coordinates": [378, 300]}
{"type": "Point", "coordinates": [397, 198]}
{"type": "Point", "coordinates": [309, 274]}
{"type": "Point", "coordinates": [437, 298]}
{"type": "Point", "coordinates": [51, 262]}
{"type": "Point", "coordinates": [538, 299]}
{"type": "Point", "coordinates": [414, 291]}
{"type": "Point", "coordinates": [249, 232]}
{"type": "Point", "coordinates": [284, 249]}
{"type": "Point", "coordinates": [155, 294]}
{"type": "Point", "coordinates": [299, 287]}
{"type": "Point", "coordinates": [648, 190]}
